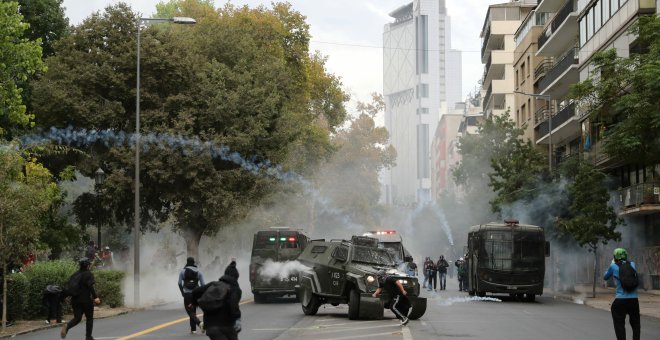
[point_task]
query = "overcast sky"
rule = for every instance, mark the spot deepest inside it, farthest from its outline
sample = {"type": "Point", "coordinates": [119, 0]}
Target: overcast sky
{"type": "Point", "coordinates": [350, 33]}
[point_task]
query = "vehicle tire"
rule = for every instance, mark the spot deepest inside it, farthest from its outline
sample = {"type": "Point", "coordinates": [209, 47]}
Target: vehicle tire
{"type": "Point", "coordinates": [260, 298]}
{"type": "Point", "coordinates": [530, 297]}
{"type": "Point", "coordinates": [354, 304]}
{"type": "Point", "coordinates": [313, 307]}
{"type": "Point", "coordinates": [418, 309]}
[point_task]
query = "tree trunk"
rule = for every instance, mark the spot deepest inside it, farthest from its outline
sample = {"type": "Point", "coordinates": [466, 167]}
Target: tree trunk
{"type": "Point", "coordinates": [4, 281]}
{"type": "Point", "coordinates": [192, 243]}
{"type": "Point", "coordinates": [593, 294]}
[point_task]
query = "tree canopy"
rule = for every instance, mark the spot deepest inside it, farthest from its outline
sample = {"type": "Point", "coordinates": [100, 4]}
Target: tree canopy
{"type": "Point", "coordinates": [47, 22]}
{"type": "Point", "coordinates": [240, 78]}
{"type": "Point", "coordinates": [20, 57]}
{"type": "Point", "coordinates": [621, 96]}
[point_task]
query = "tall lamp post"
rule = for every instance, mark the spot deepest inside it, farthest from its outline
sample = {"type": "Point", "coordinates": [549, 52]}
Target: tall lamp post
{"type": "Point", "coordinates": [547, 99]}
{"type": "Point", "coordinates": [136, 223]}
{"type": "Point", "coordinates": [99, 178]}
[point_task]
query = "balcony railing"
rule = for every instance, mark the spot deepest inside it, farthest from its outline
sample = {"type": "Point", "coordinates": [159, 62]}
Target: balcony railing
{"type": "Point", "coordinates": [542, 69]}
{"type": "Point", "coordinates": [640, 194]}
{"type": "Point", "coordinates": [561, 158]}
{"type": "Point", "coordinates": [566, 113]}
{"type": "Point", "coordinates": [486, 38]}
{"type": "Point", "coordinates": [487, 96]}
{"type": "Point", "coordinates": [559, 19]}
{"type": "Point", "coordinates": [541, 114]}
{"type": "Point", "coordinates": [558, 68]}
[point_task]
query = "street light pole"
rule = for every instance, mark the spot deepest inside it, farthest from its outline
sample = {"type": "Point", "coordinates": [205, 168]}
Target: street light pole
{"type": "Point", "coordinates": [99, 178]}
{"type": "Point", "coordinates": [547, 99]}
{"type": "Point", "coordinates": [136, 219]}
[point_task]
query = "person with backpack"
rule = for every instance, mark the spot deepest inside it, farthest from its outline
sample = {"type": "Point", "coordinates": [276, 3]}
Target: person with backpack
{"type": "Point", "coordinates": [442, 272]}
{"type": "Point", "coordinates": [433, 276]}
{"type": "Point", "coordinates": [83, 298]}
{"type": "Point", "coordinates": [625, 301]}
{"type": "Point", "coordinates": [190, 278]}
{"type": "Point", "coordinates": [461, 274]}
{"type": "Point", "coordinates": [220, 302]}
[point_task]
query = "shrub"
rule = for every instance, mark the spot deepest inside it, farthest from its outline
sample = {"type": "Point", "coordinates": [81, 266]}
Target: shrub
{"type": "Point", "coordinates": [40, 275]}
{"type": "Point", "coordinates": [108, 287]}
{"type": "Point", "coordinates": [17, 291]}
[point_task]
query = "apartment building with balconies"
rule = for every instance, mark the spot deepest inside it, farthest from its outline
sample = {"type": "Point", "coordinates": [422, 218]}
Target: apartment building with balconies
{"type": "Point", "coordinates": [556, 124]}
{"type": "Point", "coordinates": [603, 25]}
{"type": "Point", "coordinates": [527, 103]}
{"type": "Point", "coordinates": [497, 53]}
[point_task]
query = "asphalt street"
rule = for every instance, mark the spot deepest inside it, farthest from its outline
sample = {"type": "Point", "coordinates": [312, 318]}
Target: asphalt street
{"type": "Point", "coordinates": [451, 314]}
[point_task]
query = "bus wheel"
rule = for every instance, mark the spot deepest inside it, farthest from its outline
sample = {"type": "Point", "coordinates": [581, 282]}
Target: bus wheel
{"type": "Point", "coordinates": [530, 297]}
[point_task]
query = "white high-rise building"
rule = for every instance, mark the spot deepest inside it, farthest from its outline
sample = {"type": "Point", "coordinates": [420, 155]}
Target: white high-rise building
{"type": "Point", "coordinates": [415, 48]}
{"type": "Point", "coordinates": [454, 76]}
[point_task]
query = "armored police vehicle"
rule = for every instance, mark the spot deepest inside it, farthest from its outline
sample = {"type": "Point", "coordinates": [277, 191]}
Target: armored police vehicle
{"type": "Point", "coordinates": [344, 272]}
{"type": "Point", "coordinates": [275, 247]}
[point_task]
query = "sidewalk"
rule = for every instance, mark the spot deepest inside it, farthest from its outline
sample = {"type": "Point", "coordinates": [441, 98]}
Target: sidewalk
{"type": "Point", "coordinates": [649, 300]}
{"type": "Point", "coordinates": [28, 326]}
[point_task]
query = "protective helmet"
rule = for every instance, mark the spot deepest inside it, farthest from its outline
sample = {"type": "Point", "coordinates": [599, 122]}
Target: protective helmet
{"type": "Point", "coordinates": [84, 262]}
{"type": "Point", "coordinates": [461, 259]}
{"type": "Point", "coordinates": [620, 254]}
{"type": "Point", "coordinates": [107, 248]}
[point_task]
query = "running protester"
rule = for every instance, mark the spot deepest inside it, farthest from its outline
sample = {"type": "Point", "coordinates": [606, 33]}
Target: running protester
{"type": "Point", "coordinates": [399, 303]}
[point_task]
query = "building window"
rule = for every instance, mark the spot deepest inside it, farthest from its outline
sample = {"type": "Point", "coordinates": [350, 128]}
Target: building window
{"type": "Point", "coordinates": [583, 31]}
{"type": "Point", "coordinates": [422, 151]}
{"type": "Point", "coordinates": [423, 91]}
{"type": "Point", "coordinates": [529, 66]}
{"type": "Point", "coordinates": [517, 80]}
{"type": "Point", "coordinates": [422, 110]}
{"type": "Point", "coordinates": [598, 17]}
{"type": "Point", "coordinates": [422, 44]}
{"type": "Point", "coordinates": [590, 23]}
{"type": "Point", "coordinates": [606, 10]}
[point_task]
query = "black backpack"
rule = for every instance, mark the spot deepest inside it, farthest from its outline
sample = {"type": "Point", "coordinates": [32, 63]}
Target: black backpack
{"type": "Point", "coordinates": [190, 278]}
{"type": "Point", "coordinates": [628, 276]}
{"type": "Point", "coordinates": [215, 297]}
{"type": "Point", "coordinates": [72, 288]}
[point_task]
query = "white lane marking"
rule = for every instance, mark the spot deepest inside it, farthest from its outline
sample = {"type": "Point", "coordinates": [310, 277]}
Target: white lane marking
{"type": "Point", "coordinates": [359, 336]}
{"type": "Point", "coordinates": [344, 329]}
{"type": "Point", "coordinates": [406, 333]}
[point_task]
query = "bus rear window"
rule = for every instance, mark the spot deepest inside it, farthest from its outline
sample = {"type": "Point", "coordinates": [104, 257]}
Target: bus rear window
{"type": "Point", "coordinates": [266, 240]}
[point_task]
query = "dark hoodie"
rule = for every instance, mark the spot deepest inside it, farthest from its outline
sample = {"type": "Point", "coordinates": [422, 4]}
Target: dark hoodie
{"type": "Point", "coordinates": [226, 316]}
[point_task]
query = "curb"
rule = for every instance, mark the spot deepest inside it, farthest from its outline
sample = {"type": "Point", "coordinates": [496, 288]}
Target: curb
{"type": "Point", "coordinates": [8, 336]}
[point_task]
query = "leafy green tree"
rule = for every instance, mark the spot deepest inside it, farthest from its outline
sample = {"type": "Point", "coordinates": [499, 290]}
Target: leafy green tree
{"type": "Point", "coordinates": [622, 95]}
{"type": "Point", "coordinates": [26, 193]}
{"type": "Point", "coordinates": [498, 157]}
{"type": "Point", "coordinates": [19, 59]}
{"type": "Point", "coordinates": [47, 22]}
{"type": "Point", "coordinates": [592, 220]}
{"type": "Point", "coordinates": [242, 78]}
{"type": "Point", "coordinates": [350, 178]}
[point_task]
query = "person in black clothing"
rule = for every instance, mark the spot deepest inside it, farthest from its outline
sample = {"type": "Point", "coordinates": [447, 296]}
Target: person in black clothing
{"type": "Point", "coordinates": [83, 301]}
{"type": "Point", "coordinates": [52, 300]}
{"type": "Point", "coordinates": [433, 276]}
{"type": "Point", "coordinates": [442, 271]}
{"type": "Point", "coordinates": [189, 279]}
{"type": "Point", "coordinates": [225, 323]}
{"type": "Point", "coordinates": [399, 303]}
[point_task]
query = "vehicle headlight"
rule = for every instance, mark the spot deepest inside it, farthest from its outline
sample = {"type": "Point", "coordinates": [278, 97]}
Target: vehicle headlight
{"type": "Point", "coordinates": [371, 279]}
{"type": "Point", "coordinates": [403, 282]}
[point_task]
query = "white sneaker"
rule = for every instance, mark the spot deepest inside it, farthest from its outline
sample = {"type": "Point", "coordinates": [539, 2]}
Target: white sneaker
{"type": "Point", "coordinates": [404, 321]}
{"type": "Point", "coordinates": [193, 332]}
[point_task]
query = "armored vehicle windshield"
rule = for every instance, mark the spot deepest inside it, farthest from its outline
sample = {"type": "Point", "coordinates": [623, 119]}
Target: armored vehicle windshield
{"type": "Point", "coordinates": [375, 256]}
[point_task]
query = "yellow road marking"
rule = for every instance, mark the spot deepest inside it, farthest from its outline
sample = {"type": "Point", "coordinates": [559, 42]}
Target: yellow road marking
{"type": "Point", "coordinates": [166, 324]}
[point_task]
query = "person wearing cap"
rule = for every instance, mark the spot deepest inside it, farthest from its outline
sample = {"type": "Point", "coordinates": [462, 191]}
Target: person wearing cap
{"type": "Point", "coordinates": [399, 303]}
{"type": "Point", "coordinates": [224, 323]}
{"type": "Point", "coordinates": [84, 299]}
{"type": "Point", "coordinates": [625, 301]}
{"type": "Point", "coordinates": [190, 278]}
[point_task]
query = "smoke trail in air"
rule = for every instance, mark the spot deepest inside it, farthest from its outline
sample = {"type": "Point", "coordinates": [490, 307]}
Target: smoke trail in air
{"type": "Point", "coordinates": [280, 270]}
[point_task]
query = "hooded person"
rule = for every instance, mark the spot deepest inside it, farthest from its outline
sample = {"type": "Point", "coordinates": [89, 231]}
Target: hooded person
{"type": "Point", "coordinates": [225, 322]}
{"type": "Point", "coordinates": [399, 303]}
{"type": "Point", "coordinates": [190, 278]}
